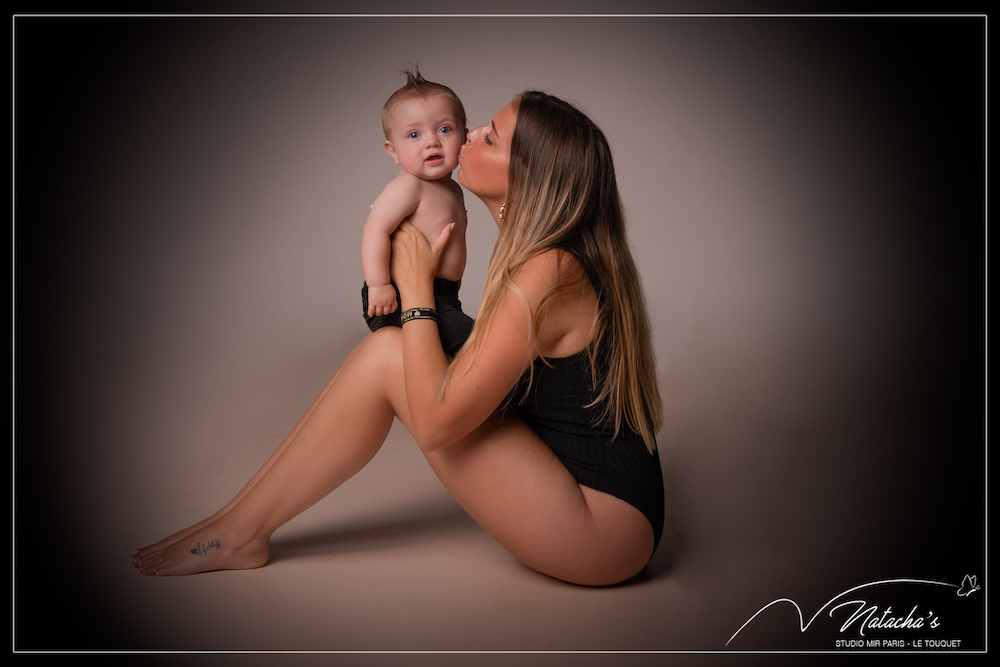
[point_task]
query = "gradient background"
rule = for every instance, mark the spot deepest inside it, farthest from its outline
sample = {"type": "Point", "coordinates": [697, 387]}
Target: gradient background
{"type": "Point", "coordinates": [806, 204]}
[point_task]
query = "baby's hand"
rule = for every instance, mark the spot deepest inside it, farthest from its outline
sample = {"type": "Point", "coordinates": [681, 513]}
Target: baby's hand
{"type": "Point", "coordinates": [381, 300]}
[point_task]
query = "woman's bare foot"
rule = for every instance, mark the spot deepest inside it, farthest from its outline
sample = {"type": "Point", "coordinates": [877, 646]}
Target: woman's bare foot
{"type": "Point", "coordinates": [139, 554]}
{"type": "Point", "coordinates": [213, 547]}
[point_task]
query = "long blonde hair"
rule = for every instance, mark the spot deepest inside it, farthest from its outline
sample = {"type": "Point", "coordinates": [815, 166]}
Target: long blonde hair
{"type": "Point", "coordinates": [562, 193]}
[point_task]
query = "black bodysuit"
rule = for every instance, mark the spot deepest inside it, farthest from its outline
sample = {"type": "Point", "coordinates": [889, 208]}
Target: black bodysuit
{"type": "Point", "coordinates": [621, 466]}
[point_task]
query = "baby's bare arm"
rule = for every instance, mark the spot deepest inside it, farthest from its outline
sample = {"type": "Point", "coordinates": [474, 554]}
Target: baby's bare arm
{"type": "Point", "coordinates": [397, 201]}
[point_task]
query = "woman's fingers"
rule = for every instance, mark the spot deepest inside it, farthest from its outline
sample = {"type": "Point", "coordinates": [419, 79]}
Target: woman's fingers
{"type": "Point", "coordinates": [412, 258]}
{"type": "Point", "coordinates": [403, 245]}
{"type": "Point", "coordinates": [414, 239]}
{"type": "Point", "coordinates": [406, 239]}
{"type": "Point", "coordinates": [442, 240]}
{"type": "Point", "coordinates": [409, 228]}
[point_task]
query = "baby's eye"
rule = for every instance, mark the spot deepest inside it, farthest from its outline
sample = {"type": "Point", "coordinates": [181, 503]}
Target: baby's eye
{"type": "Point", "coordinates": [445, 130]}
{"type": "Point", "coordinates": [413, 135]}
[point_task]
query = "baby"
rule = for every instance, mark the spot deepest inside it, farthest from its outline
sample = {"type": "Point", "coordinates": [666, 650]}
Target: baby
{"type": "Point", "coordinates": [424, 125]}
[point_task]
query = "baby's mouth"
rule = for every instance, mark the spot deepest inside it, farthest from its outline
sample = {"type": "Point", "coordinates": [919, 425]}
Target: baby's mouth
{"type": "Point", "coordinates": [433, 157]}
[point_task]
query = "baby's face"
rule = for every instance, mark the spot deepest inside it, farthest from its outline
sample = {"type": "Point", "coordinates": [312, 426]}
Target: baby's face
{"type": "Point", "coordinates": [424, 137]}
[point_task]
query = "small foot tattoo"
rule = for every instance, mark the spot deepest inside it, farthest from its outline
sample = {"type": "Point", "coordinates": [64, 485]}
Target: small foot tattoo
{"type": "Point", "coordinates": [203, 548]}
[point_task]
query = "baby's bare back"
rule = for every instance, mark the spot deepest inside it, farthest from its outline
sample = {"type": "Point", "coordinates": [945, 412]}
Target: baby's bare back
{"type": "Point", "coordinates": [441, 203]}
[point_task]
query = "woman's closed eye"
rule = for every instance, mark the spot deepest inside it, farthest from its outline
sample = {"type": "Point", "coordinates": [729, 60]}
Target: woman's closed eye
{"type": "Point", "coordinates": [486, 138]}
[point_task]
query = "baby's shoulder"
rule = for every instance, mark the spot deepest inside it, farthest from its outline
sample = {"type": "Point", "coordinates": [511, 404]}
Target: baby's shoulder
{"type": "Point", "coordinates": [405, 187]}
{"type": "Point", "coordinates": [404, 182]}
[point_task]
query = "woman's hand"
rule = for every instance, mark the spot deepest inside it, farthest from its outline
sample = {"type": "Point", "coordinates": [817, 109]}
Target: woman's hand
{"type": "Point", "coordinates": [414, 262]}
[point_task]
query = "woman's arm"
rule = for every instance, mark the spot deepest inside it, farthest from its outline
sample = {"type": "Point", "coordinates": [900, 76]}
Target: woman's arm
{"type": "Point", "coordinates": [480, 382]}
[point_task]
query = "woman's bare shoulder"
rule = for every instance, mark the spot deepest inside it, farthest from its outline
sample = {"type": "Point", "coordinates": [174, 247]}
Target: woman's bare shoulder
{"type": "Point", "coordinates": [553, 264]}
{"type": "Point", "coordinates": [567, 325]}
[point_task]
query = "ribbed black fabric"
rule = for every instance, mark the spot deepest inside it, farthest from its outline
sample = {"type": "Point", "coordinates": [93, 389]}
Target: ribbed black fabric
{"type": "Point", "coordinates": [621, 466]}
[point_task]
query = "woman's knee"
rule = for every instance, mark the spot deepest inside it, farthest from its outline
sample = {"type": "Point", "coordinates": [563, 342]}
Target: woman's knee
{"type": "Point", "coordinates": [380, 350]}
{"type": "Point", "coordinates": [377, 366]}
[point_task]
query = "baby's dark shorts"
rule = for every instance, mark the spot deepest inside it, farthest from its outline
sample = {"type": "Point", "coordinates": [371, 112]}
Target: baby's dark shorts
{"type": "Point", "coordinates": [454, 326]}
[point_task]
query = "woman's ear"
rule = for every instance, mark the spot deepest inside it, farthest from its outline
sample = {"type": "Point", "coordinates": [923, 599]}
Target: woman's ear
{"type": "Point", "coordinates": [391, 150]}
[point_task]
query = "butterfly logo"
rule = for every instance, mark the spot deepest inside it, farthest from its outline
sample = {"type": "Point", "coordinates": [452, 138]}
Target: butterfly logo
{"type": "Point", "coordinates": [968, 587]}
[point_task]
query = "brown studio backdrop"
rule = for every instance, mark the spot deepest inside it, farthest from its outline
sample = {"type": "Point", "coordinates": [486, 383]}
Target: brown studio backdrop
{"type": "Point", "coordinates": [804, 208]}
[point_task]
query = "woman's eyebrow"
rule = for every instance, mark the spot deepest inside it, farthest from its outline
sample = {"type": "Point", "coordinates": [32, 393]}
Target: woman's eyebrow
{"type": "Point", "coordinates": [493, 125]}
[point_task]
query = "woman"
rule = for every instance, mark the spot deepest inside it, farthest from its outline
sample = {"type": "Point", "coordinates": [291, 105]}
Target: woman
{"type": "Point", "coordinates": [543, 425]}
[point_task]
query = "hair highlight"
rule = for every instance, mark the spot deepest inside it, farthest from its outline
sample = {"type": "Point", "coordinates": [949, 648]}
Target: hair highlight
{"type": "Point", "coordinates": [562, 194]}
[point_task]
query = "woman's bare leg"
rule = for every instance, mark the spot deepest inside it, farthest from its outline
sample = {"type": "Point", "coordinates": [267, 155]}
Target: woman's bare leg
{"type": "Point", "coordinates": [516, 488]}
{"type": "Point", "coordinates": [338, 435]}
{"type": "Point", "coordinates": [513, 485]}
{"type": "Point", "coordinates": [138, 554]}
{"type": "Point", "coordinates": [502, 474]}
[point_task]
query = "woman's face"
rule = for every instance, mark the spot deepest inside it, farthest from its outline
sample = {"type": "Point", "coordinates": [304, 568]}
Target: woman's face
{"type": "Point", "coordinates": [485, 158]}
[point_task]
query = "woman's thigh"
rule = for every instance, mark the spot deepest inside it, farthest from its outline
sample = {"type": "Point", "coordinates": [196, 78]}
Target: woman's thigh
{"type": "Point", "coordinates": [516, 488]}
{"type": "Point", "coordinates": [512, 484]}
